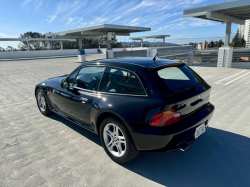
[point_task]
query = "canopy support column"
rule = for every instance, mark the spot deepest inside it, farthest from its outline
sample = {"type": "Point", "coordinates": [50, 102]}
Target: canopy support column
{"type": "Point", "coordinates": [28, 44]}
{"type": "Point", "coordinates": [61, 45]}
{"type": "Point", "coordinates": [228, 33]}
{"type": "Point", "coordinates": [109, 45]}
{"type": "Point", "coordinates": [80, 43]}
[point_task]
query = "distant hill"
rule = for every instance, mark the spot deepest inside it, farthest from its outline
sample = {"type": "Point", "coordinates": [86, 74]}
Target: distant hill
{"type": "Point", "coordinates": [150, 44]}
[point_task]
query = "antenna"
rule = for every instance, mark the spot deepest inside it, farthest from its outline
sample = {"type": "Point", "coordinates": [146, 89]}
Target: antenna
{"type": "Point", "coordinates": [155, 57]}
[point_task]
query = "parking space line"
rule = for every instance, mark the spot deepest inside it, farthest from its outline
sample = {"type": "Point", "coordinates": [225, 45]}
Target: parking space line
{"type": "Point", "coordinates": [199, 68]}
{"type": "Point", "coordinates": [236, 78]}
{"type": "Point", "coordinates": [218, 82]}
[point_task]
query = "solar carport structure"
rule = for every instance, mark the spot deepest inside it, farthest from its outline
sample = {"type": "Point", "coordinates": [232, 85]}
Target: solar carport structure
{"type": "Point", "coordinates": [97, 31]}
{"type": "Point", "coordinates": [152, 36]}
{"type": "Point", "coordinates": [228, 12]}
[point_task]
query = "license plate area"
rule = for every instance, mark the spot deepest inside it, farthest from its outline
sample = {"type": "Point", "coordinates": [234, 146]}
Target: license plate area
{"type": "Point", "coordinates": [201, 129]}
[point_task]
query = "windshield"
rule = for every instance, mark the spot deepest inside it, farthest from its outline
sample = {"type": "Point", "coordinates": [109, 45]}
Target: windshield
{"type": "Point", "coordinates": [178, 78]}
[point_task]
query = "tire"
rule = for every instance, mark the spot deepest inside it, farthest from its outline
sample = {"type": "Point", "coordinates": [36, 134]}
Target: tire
{"type": "Point", "coordinates": [127, 151]}
{"type": "Point", "coordinates": [44, 110]}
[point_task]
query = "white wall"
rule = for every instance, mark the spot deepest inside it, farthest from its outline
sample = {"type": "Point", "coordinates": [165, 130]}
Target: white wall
{"type": "Point", "coordinates": [45, 53]}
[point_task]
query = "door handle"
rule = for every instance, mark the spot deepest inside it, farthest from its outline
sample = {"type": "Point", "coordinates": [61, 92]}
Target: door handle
{"type": "Point", "coordinates": [55, 91]}
{"type": "Point", "coordinates": [83, 99]}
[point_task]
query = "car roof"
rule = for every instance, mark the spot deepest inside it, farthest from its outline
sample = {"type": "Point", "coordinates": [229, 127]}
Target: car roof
{"type": "Point", "coordinates": [138, 61]}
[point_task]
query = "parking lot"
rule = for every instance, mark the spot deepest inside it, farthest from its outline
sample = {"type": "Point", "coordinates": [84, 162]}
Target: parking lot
{"type": "Point", "coordinates": [50, 151]}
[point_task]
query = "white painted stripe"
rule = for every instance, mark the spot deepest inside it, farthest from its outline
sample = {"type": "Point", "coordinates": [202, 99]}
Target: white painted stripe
{"type": "Point", "coordinates": [199, 68]}
{"type": "Point", "coordinates": [230, 76]}
{"type": "Point", "coordinates": [237, 78]}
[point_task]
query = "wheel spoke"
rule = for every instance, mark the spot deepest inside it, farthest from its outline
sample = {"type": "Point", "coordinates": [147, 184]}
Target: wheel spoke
{"type": "Point", "coordinates": [116, 131]}
{"type": "Point", "coordinates": [109, 143]}
{"type": "Point", "coordinates": [110, 133]}
{"type": "Point", "coordinates": [123, 142]}
{"type": "Point", "coordinates": [121, 138]}
{"type": "Point", "coordinates": [119, 148]}
{"type": "Point", "coordinates": [111, 147]}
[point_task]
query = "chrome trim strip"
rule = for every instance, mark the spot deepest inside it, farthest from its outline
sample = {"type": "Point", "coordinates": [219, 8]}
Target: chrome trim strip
{"type": "Point", "coordinates": [121, 94]}
{"type": "Point", "coordinates": [101, 78]}
{"type": "Point", "coordinates": [92, 91]}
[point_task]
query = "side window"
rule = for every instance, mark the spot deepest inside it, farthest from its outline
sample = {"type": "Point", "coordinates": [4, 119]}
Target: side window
{"type": "Point", "coordinates": [72, 78]}
{"type": "Point", "coordinates": [89, 77]}
{"type": "Point", "coordinates": [120, 81]}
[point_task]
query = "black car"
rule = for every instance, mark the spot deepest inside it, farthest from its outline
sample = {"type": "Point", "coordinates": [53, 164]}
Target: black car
{"type": "Point", "coordinates": [133, 104]}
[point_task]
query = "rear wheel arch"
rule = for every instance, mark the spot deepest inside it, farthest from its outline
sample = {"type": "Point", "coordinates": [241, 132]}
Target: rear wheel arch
{"type": "Point", "coordinates": [105, 115]}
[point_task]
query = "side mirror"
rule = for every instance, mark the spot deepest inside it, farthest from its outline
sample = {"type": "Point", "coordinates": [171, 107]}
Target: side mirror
{"type": "Point", "coordinates": [65, 84]}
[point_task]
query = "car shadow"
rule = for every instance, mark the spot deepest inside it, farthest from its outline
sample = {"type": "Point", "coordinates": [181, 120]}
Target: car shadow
{"type": "Point", "coordinates": [91, 136]}
{"type": "Point", "coordinates": [218, 158]}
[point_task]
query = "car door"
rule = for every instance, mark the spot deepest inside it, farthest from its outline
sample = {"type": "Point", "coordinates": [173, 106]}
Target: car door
{"type": "Point", "coordinates": [75, 101]}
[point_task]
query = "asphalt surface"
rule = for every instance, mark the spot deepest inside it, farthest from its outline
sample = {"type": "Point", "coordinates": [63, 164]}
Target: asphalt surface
{"type": "Point", "coordinates": [50, 151]}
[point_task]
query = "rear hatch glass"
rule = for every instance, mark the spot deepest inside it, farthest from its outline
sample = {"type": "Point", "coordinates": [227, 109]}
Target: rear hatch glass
{"type": "Point", "coordinates": [189, 92]}
{"type": "Point", "coordinates": [179, 78]}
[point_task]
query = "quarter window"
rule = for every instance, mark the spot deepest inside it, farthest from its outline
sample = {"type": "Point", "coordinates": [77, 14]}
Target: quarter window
{"type": "Point", "coordinates": [89, 77]}
{"type": "Point", "coordinates": [120, 81]}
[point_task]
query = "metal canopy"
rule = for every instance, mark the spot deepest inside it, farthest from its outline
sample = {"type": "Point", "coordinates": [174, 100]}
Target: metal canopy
{"type": "Point", "coordinates": [146, 37]}
{"type": "Point", "coordinates": [98, 30]}
{"type": "Point", "coordinates": [233, 11]}
{"type": "Point", "coordinates": [152, 36]}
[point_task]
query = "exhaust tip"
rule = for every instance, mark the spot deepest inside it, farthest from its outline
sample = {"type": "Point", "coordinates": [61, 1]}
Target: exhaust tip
{"type": "Point", "coordinates": [183, 146]}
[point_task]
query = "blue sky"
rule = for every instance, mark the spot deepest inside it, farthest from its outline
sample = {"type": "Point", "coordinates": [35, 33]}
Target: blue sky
{"type": "Point", "coordinates": [163, 16]}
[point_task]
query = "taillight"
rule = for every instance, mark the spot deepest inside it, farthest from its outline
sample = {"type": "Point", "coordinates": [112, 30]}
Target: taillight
{"type": "Point", "coordinates": [165, 118]}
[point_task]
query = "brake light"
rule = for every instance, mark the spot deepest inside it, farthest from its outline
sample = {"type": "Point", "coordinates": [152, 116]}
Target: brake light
{"type": "Point", "coordinates": [165, 118]}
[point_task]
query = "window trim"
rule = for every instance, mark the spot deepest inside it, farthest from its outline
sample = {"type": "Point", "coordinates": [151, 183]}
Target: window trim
{"type": "Point", "coordinates": [79, 69]}
{"type": "Point", "coordinates": [145, 93]}
{"type": "Point", "coordinates": [72, 74]}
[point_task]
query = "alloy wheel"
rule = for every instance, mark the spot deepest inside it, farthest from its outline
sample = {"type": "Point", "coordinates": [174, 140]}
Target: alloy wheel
{"type": "Point", "coordinates": [114, 140]}
{"type": "Point", "coordinates": [41, 101]}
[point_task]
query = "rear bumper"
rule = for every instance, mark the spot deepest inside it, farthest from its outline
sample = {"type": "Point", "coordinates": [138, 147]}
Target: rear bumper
{"type": "Point", "coordinates": [175, 137]}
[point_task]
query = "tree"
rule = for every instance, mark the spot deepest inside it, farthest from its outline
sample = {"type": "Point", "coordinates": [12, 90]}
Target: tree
{"type": "Point", "coordinates": [2, 49]}
{"type": "Point", "coordinates": [71, 45]}
{"type": "Point", "coordinates": [220, 43]}
{"type": "Point", "coordinates": [35, 45]}
{"type": "Point", "coordinates": [9, 48]}
{"type": "Point", "coordinates": [237, 41]}
{"type": "Point", "coordinates": [211, 44]}
{"type": "Point", "coordinates": [242, 42]}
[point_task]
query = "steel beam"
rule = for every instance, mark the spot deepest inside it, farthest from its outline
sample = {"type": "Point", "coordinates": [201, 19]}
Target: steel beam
{"type": "Point", "coordinates": [224, 18]}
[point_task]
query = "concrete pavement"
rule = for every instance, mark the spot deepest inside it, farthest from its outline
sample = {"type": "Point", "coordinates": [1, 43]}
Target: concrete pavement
{"type": "Point", "coordinates": [50, 151]}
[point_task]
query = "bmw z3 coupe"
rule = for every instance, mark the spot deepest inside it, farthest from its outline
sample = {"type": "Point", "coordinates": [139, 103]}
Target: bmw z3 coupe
{"type": "Point", "coordinates": [133, 104]}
